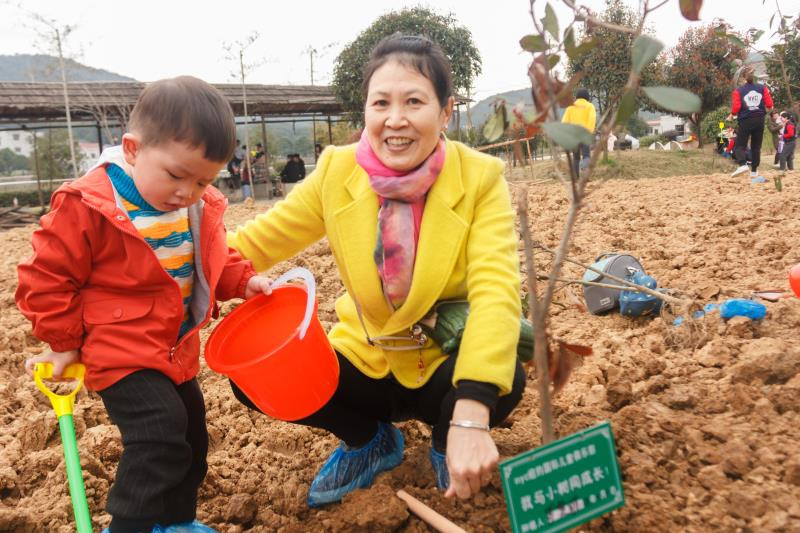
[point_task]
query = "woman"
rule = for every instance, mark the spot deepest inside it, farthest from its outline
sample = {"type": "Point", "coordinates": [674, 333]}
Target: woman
{"type": "Point", "coordinates": [749, 104]}
{"type": "Point", "coordinates": [411, 219]}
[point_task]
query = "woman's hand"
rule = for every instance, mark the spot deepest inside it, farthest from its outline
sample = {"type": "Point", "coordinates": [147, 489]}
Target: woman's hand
{"type": "Point", "coordinates": [60, 361]}
{"type": "Point", "coordinates": [257, 285]}
{"type": "Point", "coordinates": [471, 453]}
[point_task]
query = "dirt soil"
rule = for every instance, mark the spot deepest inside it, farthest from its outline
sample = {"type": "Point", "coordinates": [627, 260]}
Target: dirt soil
{"type": "Point", "coordinates": [707, 425]}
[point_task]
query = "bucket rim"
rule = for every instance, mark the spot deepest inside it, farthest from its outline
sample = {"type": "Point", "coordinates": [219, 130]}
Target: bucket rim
{"type": "Point", "coordinates": [227, 368]}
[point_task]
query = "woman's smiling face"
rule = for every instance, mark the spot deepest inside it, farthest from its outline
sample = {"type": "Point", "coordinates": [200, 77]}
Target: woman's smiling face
{"type": "Point", "coordinates": [402, 116]}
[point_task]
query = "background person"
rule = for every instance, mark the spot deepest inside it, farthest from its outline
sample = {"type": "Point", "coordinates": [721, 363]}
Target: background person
{"type": "Point", "coordinates": [788, 134]}
{"type": "Point", "coordinates": [749, 104]}
{"type": "Point", "coordinates": [774, 125]}
{"type": "Point", "coordinates": [581, 113]}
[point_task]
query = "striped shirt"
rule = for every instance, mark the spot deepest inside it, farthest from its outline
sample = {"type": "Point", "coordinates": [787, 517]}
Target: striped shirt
{"type": "Point", "coordinates": [167, 233]}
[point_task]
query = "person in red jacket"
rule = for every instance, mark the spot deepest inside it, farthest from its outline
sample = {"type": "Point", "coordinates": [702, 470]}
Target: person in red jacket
{"type": "Point", "coordinates": [786, 158]}
{"type": "Point", "coordinates": [749, 104]}
{"type": "Point", "coordinates": [126, 269]}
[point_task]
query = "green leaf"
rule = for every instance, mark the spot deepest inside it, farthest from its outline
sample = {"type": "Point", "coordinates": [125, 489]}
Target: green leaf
{"type": "Point", "coordinates": [627, 106]}
{"type": "Point", "coordinates": [550, 21]}
{"type": "Point", "coordinates": [568, 136]}
{"type": "Point", "coordinates": [673, 99]}
{"type": "Point", "coordinates": [736, 41]}
{"type": "Point", "coordinates": [645, 49]}
{"type": "Point", "coordinates": [496, 124]}
{"type": "Point", "coordinates": [569, 41]}
{"type": "Point", "coordinates": [533, 43]}
{"type": "Point", "coordinates": [582, 48]}
{"type": "Point", "coordinates": [552, 61]}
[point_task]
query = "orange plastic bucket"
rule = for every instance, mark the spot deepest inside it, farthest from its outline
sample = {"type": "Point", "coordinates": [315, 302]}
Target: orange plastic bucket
{"type": "Point", "coordinates": [794, 279]}
{"type": "Point", "coordinates": [274, 348]}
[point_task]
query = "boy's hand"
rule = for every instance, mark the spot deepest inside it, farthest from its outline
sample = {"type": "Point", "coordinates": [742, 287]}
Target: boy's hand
{"type": "Point", "coordinates": [60, 360]}
{"type": "Point", "coordinates": [257, 285]}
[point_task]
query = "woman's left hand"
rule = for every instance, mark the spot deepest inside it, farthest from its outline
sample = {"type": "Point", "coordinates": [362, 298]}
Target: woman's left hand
{"type": "Point", "coordinates": [257, 285]}
{"type": "Point", "coordinates": [472, 456]}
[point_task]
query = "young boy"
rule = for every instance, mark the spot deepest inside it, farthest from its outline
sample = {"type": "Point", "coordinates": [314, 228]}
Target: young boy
{"type": "Point", "coordinates": [127, 268]}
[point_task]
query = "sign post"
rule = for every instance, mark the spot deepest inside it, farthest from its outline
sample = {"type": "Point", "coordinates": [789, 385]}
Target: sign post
{"type": "Point", "coordinates": [563, 484]}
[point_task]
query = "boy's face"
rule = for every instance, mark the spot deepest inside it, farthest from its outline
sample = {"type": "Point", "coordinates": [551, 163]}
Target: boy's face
{"type": "Point", "coordinates": [171, 175]}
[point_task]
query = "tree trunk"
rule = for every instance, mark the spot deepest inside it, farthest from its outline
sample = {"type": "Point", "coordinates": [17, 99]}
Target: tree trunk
{"type": "Point", "coordinates": [696, 120]}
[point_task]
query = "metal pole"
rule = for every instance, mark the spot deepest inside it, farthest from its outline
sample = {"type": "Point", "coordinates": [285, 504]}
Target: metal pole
{"type": "Point", "coordinates": [330, 131]}
{"type": "Point", "coordinates": [36, 169]}
{"type": "Point", "coordinates": [246, 128]}
{"type": "Point", "coordinates": [50, 158]}
{"type": "Point", "coordinates": [99, 138]}
{"type": "Point", "coordinates": [266, 157]}
{"type": "Point", "coordinates": [66, 104]}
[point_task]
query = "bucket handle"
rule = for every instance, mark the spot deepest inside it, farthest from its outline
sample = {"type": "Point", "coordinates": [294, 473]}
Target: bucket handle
{"type": "Point", "coordinates": [311, 286]}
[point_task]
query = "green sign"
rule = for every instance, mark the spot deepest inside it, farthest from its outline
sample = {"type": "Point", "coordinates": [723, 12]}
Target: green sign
{"type": "Point", "coordinates": [563, 484]}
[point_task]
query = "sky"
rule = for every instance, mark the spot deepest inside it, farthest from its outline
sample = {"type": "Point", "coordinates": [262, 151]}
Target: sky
{"type": "Point", "coordinates": [149, 40]}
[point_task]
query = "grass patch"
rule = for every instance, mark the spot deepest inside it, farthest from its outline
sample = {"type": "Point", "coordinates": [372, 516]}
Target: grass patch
{"type": "Point", "coordinates": [638, 164]}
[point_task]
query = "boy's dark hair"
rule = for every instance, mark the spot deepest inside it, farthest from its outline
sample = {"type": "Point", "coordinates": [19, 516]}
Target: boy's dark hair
{"type": "Point", "coordinates": [417, 52]}
{"type": "Point", "coordinates": [583, 93]}
{"type": "Point", "coordinates": [185, 109]}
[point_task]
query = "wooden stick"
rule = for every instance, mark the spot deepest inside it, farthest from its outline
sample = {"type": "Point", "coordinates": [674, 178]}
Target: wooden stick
{"type": "Point", "coordinates": [591, 283]}
{"type": "Point", "coordinates": [427, 514]}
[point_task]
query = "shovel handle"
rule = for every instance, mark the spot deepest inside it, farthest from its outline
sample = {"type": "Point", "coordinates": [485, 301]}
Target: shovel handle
{"type": "Point", "coordinates": [62, 403]}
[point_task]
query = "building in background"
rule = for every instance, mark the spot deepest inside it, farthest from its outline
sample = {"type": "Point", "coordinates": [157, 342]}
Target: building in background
{"type": "Point", "coordinates": [18, 142]}
{"type": "Point", "coordinates": [90, 153]}
{"type": "Point", "coordinates": [667, 123]}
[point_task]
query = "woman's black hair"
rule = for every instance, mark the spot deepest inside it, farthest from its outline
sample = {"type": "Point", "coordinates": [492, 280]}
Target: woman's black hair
{"type": "Point", "coordinates": [583, 93]}
{"type": "Point", "coordinates": [417, 52]}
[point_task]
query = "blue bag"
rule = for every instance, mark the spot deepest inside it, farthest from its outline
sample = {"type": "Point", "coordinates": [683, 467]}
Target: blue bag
{"type": "Point", "coordinates": [633, 303]}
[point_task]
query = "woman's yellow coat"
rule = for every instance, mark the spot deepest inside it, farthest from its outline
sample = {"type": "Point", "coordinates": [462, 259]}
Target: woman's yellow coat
{"type": "Point", "coordinates": [467, 249]}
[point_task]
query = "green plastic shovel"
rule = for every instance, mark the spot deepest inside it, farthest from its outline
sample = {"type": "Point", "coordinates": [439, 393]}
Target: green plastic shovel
{"type": "Point", "coordinates": [62, 404]}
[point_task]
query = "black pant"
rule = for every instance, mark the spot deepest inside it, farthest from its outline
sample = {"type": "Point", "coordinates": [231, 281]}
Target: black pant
{"type": "Point", "coordinates": [165, 442]}
{"type": "Point", "coordinates": [750, 129]}
{"type": "Point", "coordinates": [787, 155]}
{"type": "Point", "coordinates": [352, 414]}
{"type": "Point", "coordinates": [583, 152]}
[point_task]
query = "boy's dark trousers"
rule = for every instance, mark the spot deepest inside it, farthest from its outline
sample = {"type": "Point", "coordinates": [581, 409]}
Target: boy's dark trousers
{"type": "Point", "coordinates": [787, 155]}
{"type": "Point", "coordinates": [165, 443]}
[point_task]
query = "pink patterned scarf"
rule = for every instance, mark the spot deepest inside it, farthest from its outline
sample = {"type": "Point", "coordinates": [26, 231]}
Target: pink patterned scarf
{"type": "Point", "coordinates": [402, 197]}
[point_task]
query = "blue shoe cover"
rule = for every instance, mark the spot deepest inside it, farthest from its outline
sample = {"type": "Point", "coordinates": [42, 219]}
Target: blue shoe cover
{"type": "Point", "coordinates": [185, 527]}
{"type": "Point", "coordinates": [439, 462]}
{"type": "Point", "coordinates": [345, 471]}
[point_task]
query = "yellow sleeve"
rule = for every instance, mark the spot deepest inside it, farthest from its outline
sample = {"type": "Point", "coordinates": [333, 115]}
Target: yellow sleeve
{"type": "Point", "coordinates": [289, 226]}
{"type": "Point", "coordinates": [566, 119]}
{"type": "Point", "coordinates": [592, 118]}
{"type": "Point", "coordinates": [488, 351]}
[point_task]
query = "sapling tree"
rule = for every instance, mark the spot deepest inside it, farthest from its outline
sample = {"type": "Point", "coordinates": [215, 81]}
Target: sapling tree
{"type": "Point", "coordinates": [548, 44]}
{"type": "Point", "coordinates": [236, 52]}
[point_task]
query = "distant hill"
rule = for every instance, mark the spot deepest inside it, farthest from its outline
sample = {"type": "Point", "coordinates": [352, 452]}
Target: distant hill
{"type": "Point", "coordinates": [40, 67]}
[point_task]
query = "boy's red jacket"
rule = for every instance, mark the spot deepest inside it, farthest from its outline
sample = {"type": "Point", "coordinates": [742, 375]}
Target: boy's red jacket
{"type": "Point", "coordinates": [93, 284]}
